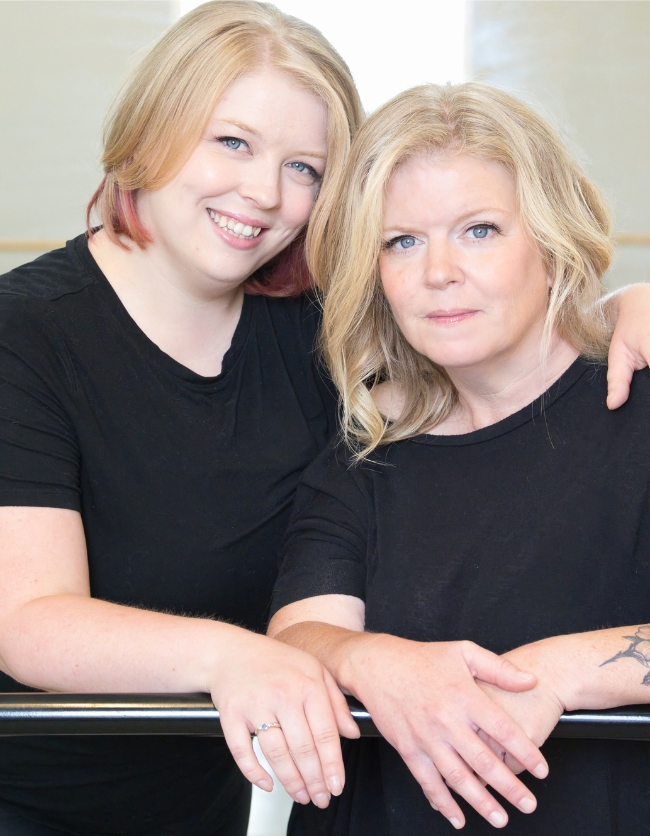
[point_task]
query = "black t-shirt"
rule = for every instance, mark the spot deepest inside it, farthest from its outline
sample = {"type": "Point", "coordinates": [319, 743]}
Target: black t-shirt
{"type": "Point", "coordinates": [533, 527]}
{"type": "Point", "coordinates": [184, 484]}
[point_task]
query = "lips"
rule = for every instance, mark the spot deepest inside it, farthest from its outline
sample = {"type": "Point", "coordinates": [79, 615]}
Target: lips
{"type": "Point", "coordinates": [235, 227]}
{"type": "Point", "coordinates": [451, 317]}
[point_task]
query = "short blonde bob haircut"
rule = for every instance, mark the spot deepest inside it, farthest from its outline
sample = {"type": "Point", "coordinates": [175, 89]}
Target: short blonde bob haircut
{"type": "Point", "coordinates": [560, 209]}
{"type": "Point", "coordinates": [161, 113]}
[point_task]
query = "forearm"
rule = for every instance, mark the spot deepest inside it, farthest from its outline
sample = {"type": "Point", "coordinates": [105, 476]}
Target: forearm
{"type": "Point", "coordinates": [79, 644]}
{"type": "Point", "coordinates": [599, 669]}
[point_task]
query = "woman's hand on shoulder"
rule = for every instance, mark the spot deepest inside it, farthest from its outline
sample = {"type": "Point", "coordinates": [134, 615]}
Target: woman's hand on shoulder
{"type": "Point", "coordinates": [424, 699]}
{"type": "Point", "coordinates": [295, 706]}
{"type": "Point", "coordinates": [629, 310]}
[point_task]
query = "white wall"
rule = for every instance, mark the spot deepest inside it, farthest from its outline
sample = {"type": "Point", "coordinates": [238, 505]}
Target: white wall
{"type": "Point", "coordinates": [60, 64]}
{"type": "Point", "coordinates": [388, 46]}
{"type": "Point", "coordinates": [588, 65]}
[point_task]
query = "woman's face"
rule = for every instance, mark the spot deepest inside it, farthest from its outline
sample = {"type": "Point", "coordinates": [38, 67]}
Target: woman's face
{"type": "Point", "coordinates": [248, 187]}
{"type": "Point", "coordinates": [466, 283]}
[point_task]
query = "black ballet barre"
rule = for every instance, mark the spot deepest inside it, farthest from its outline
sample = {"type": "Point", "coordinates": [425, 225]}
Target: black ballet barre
{"type": "Point", "coordinates": [24, 714]}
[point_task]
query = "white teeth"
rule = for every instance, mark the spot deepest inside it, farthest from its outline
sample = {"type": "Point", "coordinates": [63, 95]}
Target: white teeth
{"type": "Point", "coordinates": [236, 228]}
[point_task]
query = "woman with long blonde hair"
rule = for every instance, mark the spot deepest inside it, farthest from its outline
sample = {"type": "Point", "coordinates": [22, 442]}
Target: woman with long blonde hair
{"type": "Point", "coordinates": [481, 497]}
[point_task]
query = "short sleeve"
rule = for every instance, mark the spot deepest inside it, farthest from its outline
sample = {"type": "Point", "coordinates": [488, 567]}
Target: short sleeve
{"type": "Point", "coordinates": [330, 535]}
{"type": "Point", "coordinates": [39, 453]}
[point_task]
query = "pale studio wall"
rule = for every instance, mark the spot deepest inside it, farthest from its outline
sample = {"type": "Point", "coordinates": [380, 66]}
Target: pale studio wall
{"type": "Point", "coordinates": [60, 64]}
{"type": "Point", "coordinates": [588, 65]}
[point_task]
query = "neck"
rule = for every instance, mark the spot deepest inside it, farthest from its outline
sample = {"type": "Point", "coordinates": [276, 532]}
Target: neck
{"type": "Point", "coordinates": [491, 392]}
{"type": "Point", "coordinates": [193, 326]}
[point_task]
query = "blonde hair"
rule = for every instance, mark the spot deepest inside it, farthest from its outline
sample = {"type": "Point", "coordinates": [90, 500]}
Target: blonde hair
{"type": "Point", "coordinates": [559, 208]}
{"type": "Point", "coordinates": [163, 109]}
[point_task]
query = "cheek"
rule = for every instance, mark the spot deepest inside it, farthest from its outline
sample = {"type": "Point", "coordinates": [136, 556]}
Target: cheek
{"type": "Point", "coordinates": [298, 201]}
{"type": "Point", "coordinates": [399, 289]}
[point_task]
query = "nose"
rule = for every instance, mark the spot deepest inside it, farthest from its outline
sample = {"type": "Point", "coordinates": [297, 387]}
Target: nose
{"type": "Point", "coordinates": [442, 264]}
{"type": "Point", "coordinates": [262, 185]}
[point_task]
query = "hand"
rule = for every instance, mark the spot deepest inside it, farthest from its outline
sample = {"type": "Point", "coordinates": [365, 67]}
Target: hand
{"type": "Point", "coordinates": [264, 681]}
{"type": "Point", "coordinates": [424, 700]}
{"type": "Point", "coordinates": [537, 712]}
{"type": "Point", "coordinates": [630, 346]}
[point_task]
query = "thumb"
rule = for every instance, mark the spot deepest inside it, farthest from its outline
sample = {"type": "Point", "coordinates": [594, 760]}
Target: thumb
{"type": "Point", "coordinates": [496, 670]}
{"type": "Point", "coordinates": [622, 365]}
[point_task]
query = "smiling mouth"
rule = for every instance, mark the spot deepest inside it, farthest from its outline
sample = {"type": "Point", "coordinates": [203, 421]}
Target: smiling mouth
{"type": "Point", "coordinates": [235, 228]}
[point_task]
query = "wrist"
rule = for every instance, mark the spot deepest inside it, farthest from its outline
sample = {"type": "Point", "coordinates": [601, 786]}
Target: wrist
{"type": "Point", "coordinates": [553, 663]}
{"type": "Point", "coordinates": [354, 662]}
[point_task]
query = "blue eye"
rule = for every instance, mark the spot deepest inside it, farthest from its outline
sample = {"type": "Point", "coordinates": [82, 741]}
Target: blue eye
{"type": "Point", "coordinates": [402, 242]}
{"type": "Point", "coordinates": [304, 168]}
{"type": "Point", "coordinates": [480, 230]}
{"type": "Point", "coordinates": [231, 142]}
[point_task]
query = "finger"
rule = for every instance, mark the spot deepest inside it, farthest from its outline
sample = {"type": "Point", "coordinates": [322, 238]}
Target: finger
{"type": "Point", "coordinates": [434, 788]}
{"type": "Point", "coordinates": [344, 720]}
{"type": "Point", "coordinates": [622, 363]}
{"type": "Point", "coordinates": [479, 764]}
{"type": "Point", "coordinates": [467, 779]}
{"type": "Point", "coordinates": [305, 755]}
{"type": "Point", "coordinates": [496, 670]}
{"type": "Point", "coordinates": [322, 723]}
{"type": "Point", "coordinates": [513, 764]}
{"type": "Point", "coordinates": [503, 729]}
{"type": "Point", "coordinates": [497, 748]}
{"type": "Point", "coordinates": [273, 744]}
{"type": "Point", "coordinates": [238, 740]}
{"type": "Point", "coordinates": [621, 367]}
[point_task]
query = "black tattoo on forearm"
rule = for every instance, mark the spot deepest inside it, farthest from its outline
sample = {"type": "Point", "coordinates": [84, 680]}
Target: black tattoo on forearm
{"type": "Point", "coordinates": [639, 650]}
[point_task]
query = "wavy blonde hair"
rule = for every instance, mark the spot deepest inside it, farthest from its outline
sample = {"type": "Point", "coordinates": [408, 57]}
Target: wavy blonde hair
{"type": "Point", "coordinates": [160, 114]}
{"type": "Point", "coordinates": [559, 207]}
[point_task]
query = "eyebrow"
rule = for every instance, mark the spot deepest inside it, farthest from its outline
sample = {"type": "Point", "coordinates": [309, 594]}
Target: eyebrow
{"type": "Point", "coordinates": [460, 219]}
{"type": "Point", "coordinates": [247, 129]}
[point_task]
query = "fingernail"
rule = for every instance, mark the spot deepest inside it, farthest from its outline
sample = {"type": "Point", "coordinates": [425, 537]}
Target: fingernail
{"type": "Point", "coordinates": [455, 823]}
{"type": "Point", "coordinates": [265, 784]}
{"type": "Point", "coordinates": [527, 805]}
{"type": "Point", "coordinates": [302, 797]}
{"type": "Point", "coordinates": [541, 771]}
{"type": "Point", "coordinates": [497, 819]}
{"type": "Point", "coordinates": [524, 675]}
{"type": "Point", "coordinates": [334, 785]}
{"type": "Point", "coordinates": [434, 806]}
{"type": "Point", "coordinates": [322, 799]}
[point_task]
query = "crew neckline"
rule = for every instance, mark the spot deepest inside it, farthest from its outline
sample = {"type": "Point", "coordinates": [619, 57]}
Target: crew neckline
{"type": "Point", "coordinates": [79, 247]}
{"type": "Point", "coordinates": [523, 416]}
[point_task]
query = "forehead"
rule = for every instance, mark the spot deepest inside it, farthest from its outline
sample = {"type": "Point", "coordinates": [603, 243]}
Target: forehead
{"type": "Point", "coordinates": [453, 181]}
{"type": "Point", "coordinates": [274, 104]}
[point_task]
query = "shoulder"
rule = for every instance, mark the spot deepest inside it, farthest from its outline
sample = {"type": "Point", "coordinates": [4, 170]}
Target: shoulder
{"type": "Point", "coordinates": [299, 316]}
{"type": "Point", "coordinates": [49, 277]}
{"type": "Point", "coordinates": [334, 471]}
{"type": "Point", "coordinates": [35, 300]}
{"type": "Point", "coordinates": [594, 380]}
{"type": "Point", "coordinates": [639, 400]}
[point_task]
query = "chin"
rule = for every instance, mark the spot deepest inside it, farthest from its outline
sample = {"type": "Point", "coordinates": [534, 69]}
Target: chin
{"type": "Point", "coordinates": [457, 358]}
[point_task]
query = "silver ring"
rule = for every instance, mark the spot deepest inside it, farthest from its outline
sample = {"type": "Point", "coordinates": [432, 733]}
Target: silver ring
{"type": "Point", "coordinates": [266, 726]}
